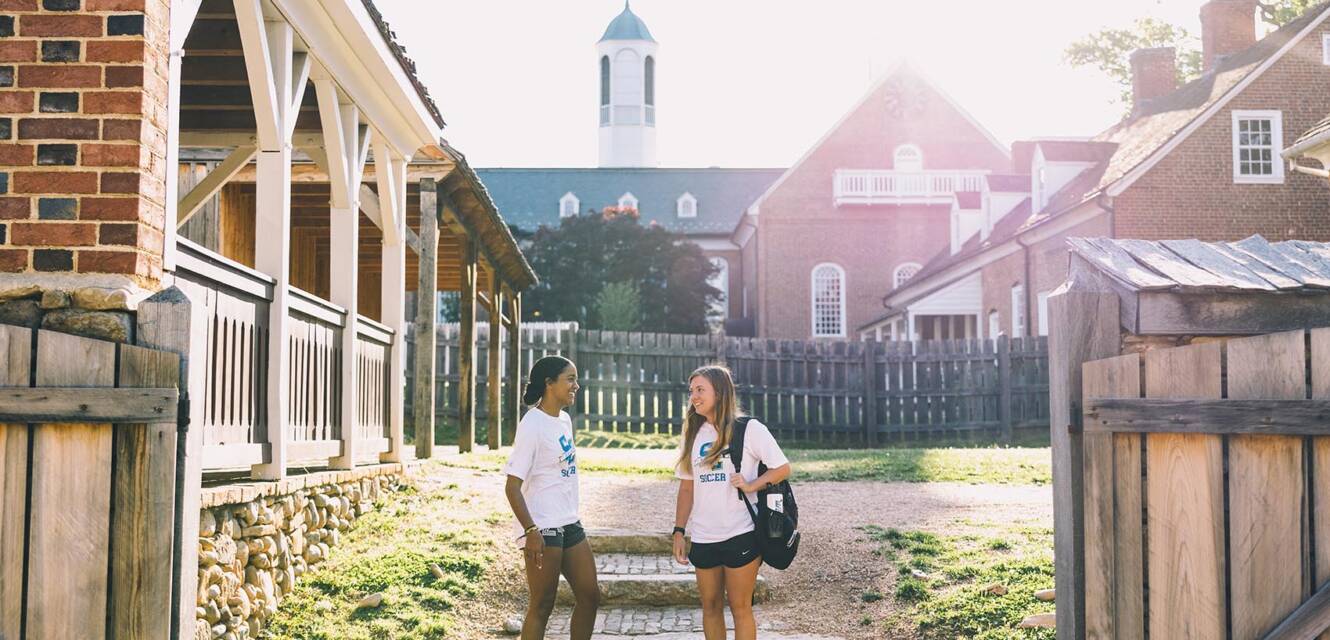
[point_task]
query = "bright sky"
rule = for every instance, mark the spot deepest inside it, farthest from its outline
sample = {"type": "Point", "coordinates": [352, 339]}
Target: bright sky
{"type": "Point", "coordinates": [753, 82]}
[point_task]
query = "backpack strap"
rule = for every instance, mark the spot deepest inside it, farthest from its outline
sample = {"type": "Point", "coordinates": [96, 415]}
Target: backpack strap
{"type": "Point", "coordinates": [736, 458]}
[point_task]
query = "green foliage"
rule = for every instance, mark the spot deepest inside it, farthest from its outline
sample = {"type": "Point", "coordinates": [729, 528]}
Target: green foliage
{"type": "Point", "coordinates": [583, 252]}
{"type": "Point", "coordinates": [619, 307]}
{"type": "Point", "coordinates": [1109, 50]}
{"type": "Point", "coordinates": [954, 600]}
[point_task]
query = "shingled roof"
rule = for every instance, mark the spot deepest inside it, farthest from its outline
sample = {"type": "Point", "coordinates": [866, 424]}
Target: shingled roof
{"type": "Point", "coordinates": [408, 65]}
{"type": "Point", "coordinates": [1246, 266]}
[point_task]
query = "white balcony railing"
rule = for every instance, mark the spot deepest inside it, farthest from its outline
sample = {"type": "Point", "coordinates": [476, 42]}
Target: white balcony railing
{"type": "Point", "coordinates": [627, 114]}
{"type": "Point", "coordinates": [903, 187]}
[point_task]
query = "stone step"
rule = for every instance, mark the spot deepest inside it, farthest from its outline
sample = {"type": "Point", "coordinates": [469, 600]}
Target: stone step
{"type": "Point", "coordinates": [626, 541]}
{"type": "Point", "coordinates": [638, 579]}
{"type": "Point", "coordinates": [650, 622]}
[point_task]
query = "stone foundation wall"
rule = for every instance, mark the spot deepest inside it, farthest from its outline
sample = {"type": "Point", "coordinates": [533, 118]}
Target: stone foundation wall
{"type": "Point", "coordinates": [257, 539]}
{"type": "Point", "coordinates": [104, 313]}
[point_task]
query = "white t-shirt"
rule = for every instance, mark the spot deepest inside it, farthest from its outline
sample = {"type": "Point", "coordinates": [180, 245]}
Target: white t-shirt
{"type": "Point", "coordinates": [544, 458]}
{"type": "Point", "coordinates": [717, 513]}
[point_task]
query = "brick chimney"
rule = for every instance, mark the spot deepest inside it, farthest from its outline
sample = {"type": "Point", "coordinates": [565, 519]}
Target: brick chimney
{"type": "Point", "coordinates": [1153, 74]}
{"type": "Point", "coordinates": [1227, 26]}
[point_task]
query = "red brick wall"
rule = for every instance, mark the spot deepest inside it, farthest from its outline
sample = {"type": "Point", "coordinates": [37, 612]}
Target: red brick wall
{"type": "Point", "coordinates": [1191, 194]}
{"type": "Point", "coordinates": [799, 225]}
{"type": "Point", "coordinates": [83, 118]}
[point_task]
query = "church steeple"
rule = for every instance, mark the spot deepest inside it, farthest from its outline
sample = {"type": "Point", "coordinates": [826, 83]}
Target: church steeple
{"type": "Point", "coordinates": [627, 57]}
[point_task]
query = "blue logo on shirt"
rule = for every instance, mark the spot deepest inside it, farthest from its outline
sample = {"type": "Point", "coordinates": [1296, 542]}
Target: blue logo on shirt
{"type": "Point", "coordinates": [569, 457]}
{"type": "Point", "coordinates": [711, 477]}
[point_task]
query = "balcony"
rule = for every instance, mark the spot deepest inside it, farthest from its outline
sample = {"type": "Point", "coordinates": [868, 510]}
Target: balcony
{"type": "Point", "coordinates": [902, 187]}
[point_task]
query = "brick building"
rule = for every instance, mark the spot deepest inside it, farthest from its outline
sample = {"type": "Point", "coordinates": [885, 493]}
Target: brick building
{"type": "Point", "coordinates": [1198, 161]}
{"type": "Point", "coordinates": [863, 209]}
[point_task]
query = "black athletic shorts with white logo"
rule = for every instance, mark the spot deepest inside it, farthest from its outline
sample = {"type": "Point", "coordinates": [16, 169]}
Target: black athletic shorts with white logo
{"type": "Point", "coordinates": [733, 553]}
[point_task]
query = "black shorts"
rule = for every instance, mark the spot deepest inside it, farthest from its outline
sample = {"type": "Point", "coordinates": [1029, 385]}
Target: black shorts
{"type": "Point", "coordinates": [733, 553]}
{"type": "Point", "coordinates": [563, 537]}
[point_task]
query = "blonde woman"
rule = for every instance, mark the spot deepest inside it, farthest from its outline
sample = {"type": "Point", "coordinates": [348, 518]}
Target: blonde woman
{"type": "Point", "coordinates": [724, 552]}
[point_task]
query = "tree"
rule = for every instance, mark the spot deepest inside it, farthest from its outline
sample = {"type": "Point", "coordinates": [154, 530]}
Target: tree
{"type": "Point", "coordinates": [619, 307]}
{"type": "Point", "coordinates": [1109, 50]}
{"type": "Point", "coordinates": [576, 259]}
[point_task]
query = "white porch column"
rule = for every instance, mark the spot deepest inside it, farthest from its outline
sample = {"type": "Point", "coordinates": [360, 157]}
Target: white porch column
{"type": "Point", "coordinates": [390, 171]}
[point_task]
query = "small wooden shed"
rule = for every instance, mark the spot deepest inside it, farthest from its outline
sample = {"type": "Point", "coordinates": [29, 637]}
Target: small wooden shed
{"type": "Point", "coordinates": [1191, 439]}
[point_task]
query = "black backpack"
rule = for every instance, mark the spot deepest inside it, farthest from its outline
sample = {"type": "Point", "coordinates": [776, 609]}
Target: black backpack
{"type": "Point", "coordinates": [777, 531]}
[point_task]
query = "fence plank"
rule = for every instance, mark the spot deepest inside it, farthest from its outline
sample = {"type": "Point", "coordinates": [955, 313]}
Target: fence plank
{"type": "Point", "coordinates": [1114, 568]}
{"type": "Point", "coordinates": [15, 366]}
{"type": "Point", "coordinates": [74, 404]}
{"type": "Point", "coordinates": [69, 548]}
{"type": "Point", "coordinates": [1185, 498]}
{"type": "Point", "coordinates": [1266, 498]}
{"type": "Point", "coordinates": [143, 501]}
{"type": "Point", "coordinates": [1320, 370]}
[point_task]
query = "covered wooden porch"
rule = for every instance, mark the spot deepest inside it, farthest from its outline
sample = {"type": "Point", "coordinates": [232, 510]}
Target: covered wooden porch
{"type": "Point", "coordinates": [314, 191]}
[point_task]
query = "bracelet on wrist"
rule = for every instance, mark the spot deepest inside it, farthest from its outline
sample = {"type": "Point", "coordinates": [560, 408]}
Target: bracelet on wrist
{"type": "Point", "coordinates": [527, 531]}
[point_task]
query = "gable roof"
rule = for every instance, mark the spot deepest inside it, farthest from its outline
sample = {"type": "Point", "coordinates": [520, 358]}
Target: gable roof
{"type": "Point", "coordinates": [896, 69]}
{"type": "Point", "coordinates": [530, 198]}
{"type": "Point", "coordinates": [408, 65]}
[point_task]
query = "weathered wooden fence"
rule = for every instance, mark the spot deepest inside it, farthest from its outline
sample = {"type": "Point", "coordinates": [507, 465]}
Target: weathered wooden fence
{"type": "Point", "coordinates": [836, 392]}
{"type": "Point", "coordinates": [1206, 476]}
{"type": "Point", "coordinates": [88, 435]}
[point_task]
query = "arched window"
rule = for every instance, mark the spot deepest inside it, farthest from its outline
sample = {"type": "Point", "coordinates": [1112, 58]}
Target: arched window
{"type": "Point", "coordinates": [650, 85]}
{"type": "Point", "coordinates": [720, 280]}
{"type": "Point", "coordinates": [828, 301]}
{"type": "Point", "coordinates": [628, 201]}
{"type": "Point", "coordinates": [903, 273]}
{"type": "Point", "coordinates": [568, 205]}
{"type": "Point", "coordinates": [686, 206]}
{"type": "Point", "coordinates": [604, 80]}
{"type": "Point", "coordinates": [908, 157]}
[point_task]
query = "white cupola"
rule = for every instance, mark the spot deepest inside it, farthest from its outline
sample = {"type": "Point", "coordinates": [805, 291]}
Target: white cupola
{"type": "Point", "coordinates": [626, 56]}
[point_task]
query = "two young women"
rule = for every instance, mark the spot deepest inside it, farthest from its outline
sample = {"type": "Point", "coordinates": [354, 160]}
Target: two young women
{"type": "Point", "coordinates": [542, 489]}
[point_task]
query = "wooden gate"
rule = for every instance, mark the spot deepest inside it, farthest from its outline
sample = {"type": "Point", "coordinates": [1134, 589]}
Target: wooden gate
{"type": "Point", "coordinates": [1207, 490]}
{"type": "Point", "coordinates": [87, 497]}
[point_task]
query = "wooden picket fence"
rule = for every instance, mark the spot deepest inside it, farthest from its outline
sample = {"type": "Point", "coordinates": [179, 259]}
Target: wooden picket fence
{"type": "Point", "coordinates": [1205, 482]}
{"type": "Point", "coordinates": [88, 435]}
{"type": "Point", "coordinates": [832, 392]}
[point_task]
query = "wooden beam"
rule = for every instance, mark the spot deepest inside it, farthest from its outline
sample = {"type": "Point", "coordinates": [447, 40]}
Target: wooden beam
{"type": "Point", "coordinates": [212, 183]}
{"type": "Point", "coordinates": [1267, 417]}
{"type": "Point", "coordinates": [259, 66]}
{"type": "Point", "coordinates": [338, 150]}
{"type": "Point", "coordinates": [413, 240]}
{"type": "Point", "coordinates": [494, 379]}
{"type": "Point", "coordinates": [75, 404]}
{"type": "Point", "coordinates": [392, 210]}
{"type": "Point", "coordinates": [369, 205]}
{"type": "Point", "coordinates": [300, 65]}
{"type": "Point", "coordinates": [1229, 313]}
{"type": "Point", "coordinates": [466, 360]}
{"type": "Point", "coordinates": [1083, 326]}
{"type": "Point", "coordinates": [512, 405]}
{"type": "Point", "coordinates": [427, 315]}
{"type": "Point", "coordinates": [1308, 621]}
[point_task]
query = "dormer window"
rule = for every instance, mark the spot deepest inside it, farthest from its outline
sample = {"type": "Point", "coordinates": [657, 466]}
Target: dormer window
{"type": "Point", "coordinates": [686, 206]}
{"type": "Point", "coordinates": [908, 157]}
{"type": "Point", "coordinates": [568, 205]}
{"type": "Point", "coordinates": [628, 201]}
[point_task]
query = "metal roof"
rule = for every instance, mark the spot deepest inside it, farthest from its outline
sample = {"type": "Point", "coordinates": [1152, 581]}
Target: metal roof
{"type": "Point", "coordinates": [627, 26]}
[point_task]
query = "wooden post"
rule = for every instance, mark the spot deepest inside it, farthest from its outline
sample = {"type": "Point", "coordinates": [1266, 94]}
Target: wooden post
{"type": "Point", "coordinates": [1004, 387]}
{"type": "Point", "coordinates": [870, 393]}
{"type": "Point", "coordinates": [170, 321]}
{"type": "Point", "coordinates": [495, 382]}
{"type": "Point", "coordinates": [1083, 326]}
{"type": "Point", "coordinates": [427, 317]}
{"type": "Point", "coordinates": [512, 408]}
{"type": "Point", "coordinates": [15, 371]}
{"type": "Point", "coordinates": [390, 170]}
{"type": "Point", "coordinates": [466, 350]}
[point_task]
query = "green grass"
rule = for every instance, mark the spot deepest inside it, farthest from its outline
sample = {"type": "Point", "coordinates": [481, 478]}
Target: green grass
{"type": "Point", "coordinates": [390, 551]}
{"type": "Point", "coordinates": [971, 466]}
{"type": "Point", "coordinates": [944, 581]}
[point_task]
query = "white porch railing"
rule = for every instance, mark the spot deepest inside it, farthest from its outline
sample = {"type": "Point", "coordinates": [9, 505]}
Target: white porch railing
{"type": "Point", "coordinates": [902, 187]}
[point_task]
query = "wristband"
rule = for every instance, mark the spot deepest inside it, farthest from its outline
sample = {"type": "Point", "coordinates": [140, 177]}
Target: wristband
{"type": "Point", "coordinates": [527, 531]}
{"type": "Point", "coordinates": [678, 530]}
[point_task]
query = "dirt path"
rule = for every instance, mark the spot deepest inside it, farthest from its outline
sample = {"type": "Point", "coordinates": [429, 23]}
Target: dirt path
{"type": "Point", "coordinates": [821, 592]}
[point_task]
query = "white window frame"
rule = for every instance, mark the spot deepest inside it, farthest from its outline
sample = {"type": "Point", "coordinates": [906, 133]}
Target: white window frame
{"type": "Point", "coordinates": [628, 201]}
{"type": "Point", "coordinates": [686, 206]}
{"type": "Point", "coordinates": [812, 299]}
{"type": "Point", "coordinates": [1041, 302]}
{"type": "Point", "coordinates": [896, 281]}
{"type": "Point", "coordinates": [1017, 310]}
{"type": "Point", "coordinates": [917, 164]}
{"type": "Point", "coordinates": [1325, 48]}
{"type": "Point", "coordinates": [994, 324]}
{"type": "Point", "coordinates": [1276, 118]}
{"type": "Point", "coordinates": [563, 205]}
